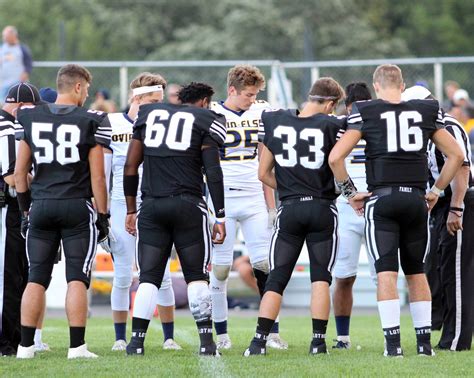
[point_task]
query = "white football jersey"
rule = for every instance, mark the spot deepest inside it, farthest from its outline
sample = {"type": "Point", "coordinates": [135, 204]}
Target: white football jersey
{"type": "Point", "coordinates": [239, 160]}
{"type": "Point", "coordinates": [122, 131]}
{"type": "Point", "coordinates": [355, 165]}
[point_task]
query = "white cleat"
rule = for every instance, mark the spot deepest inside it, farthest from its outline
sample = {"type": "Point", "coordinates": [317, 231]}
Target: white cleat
{"type": "Point", "coordinates": [25, 352]}
{"type": "Point", "coordinates": [223, 341]}
{"type": "Point", "coordinates": [42, 347]}
{"type": "Point", "coordinates": [170, 344]}
{"type": "Point", "coordinates": [119, 345]}
{"type": "Point", "coordinates": [80, 352]}
{"type": "Point", "coordinates": [274, 341]}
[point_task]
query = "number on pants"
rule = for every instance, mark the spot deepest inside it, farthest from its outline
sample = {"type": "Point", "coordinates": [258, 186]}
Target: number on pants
{"type": "Point", "coordinates": [411, 137]}
{"type": "Point", "coordinates": [67, 136]}
{"type": "Point", "coordinates": [155, 131]}
{"type": "Point", "coordinates": [315, 138]}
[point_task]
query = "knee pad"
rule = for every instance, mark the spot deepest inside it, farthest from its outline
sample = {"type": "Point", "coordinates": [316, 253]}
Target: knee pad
{"type": "Point", "coordinates": [221, 272]}
{"type": "Point", "coordinates": [263, 266]}
{"type": "Point", "coordinates": [165, 296]}
{"type": "Point", "coordinates": [120, 299]}
{"type": "Point", "coordinates": [122, 282]}
{"type": "Point", "coordinates": [216, 285]}
{"type": "Point", "coordinates": [199, 301]}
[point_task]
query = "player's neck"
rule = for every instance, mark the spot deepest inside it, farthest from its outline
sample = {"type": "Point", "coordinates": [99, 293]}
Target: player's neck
{"type": "Point", "coordinates": [133, 111]}
{"type": "Point", "coordinates": [66, 99]}
{"type": "Point", "coordinates": [311, 109]}
{"type": "Point", "coordinates": [392, 95]}
{"type": "Point", "coordinates": [230, 105]}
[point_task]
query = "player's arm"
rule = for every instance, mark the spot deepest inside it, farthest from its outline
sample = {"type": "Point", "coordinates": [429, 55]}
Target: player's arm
{"type": "Point", "coordinates": [454, 159]}
{"type": "Point", "coordinates": [265, 168]}
{"type": "Point", "coordinates": [215, 183]}
{"type": "Point", "coordinates": [268, 192]}
{"type": "Point", "coordinates": [130, 182]}
{"type": "Point", "coordinates": [22, 168]}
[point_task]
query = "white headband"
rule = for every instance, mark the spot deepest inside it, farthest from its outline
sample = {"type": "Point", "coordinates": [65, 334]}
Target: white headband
{"type": "Point", "coordinates": [142, 90]}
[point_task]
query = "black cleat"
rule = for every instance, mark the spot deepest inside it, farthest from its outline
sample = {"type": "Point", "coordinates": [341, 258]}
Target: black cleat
{"type": "Point", "coordinates": [424, 349]}
{"type": "Point", "coordinates": [209, 350]}
{"type": "Point", "coordinates": [135, 349]}
{"type": "Point", "coordinates": [255, 350]}
{"type": "Point", "coordinates": [393, 351]}
{"type": "Point", "coordinates": [341, 345]}
{"type": "Point", "coordinates": [318, 348]}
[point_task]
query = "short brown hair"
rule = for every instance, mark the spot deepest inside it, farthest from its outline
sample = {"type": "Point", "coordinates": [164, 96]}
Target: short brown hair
{"type": "Point", "coordinates": [242, 76]}
{"type": "Point", "coordinates": [326, 89]}
{"type": "Point", "coordinates": [147, 79]}
{"type": "Point", "coordinates": [388, 75]}
{"type": "Point", "coordinates": [70, 74]}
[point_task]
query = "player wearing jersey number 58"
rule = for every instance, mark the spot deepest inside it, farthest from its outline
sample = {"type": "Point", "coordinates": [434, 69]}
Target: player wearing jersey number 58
{"type": "Point", "coordinates": [175, 142]}
{"type": "Point", "coordinates": [397, 134]}
{"type": "Point", "coordinates": [63, 141]}
{"type": "Point", "coordinates": [298, 147]}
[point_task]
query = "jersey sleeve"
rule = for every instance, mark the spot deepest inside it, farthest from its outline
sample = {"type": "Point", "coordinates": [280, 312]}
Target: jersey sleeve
{"type": "Point", "coordinates": [462, 139]}
{"type": "Point", "coordinates": [266, 128]}
{"type": "Point", "coordinates": [7, 146]}
{"type": "Point", "coordinates": [341, 123]}
{"type": "Point", "coordinates": [103, 132]}
{"type": "Point", "coordinates": [140, 124]}
{"type": "Point", "coordinates": [217, 129]}
{"type": "Point", "coordinates": [354, 121]}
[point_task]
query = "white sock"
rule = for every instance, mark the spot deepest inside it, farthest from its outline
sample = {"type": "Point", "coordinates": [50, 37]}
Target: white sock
{"type": "Point", "coordinates": [199, 300]}
{"type": "Point", "coordinates": [145, 301]}
{"type": "Point", "coordinates": [38, 340]}
{"type": "Point", "coordinates": [120, 298]}
{"type": "Point", "coordinates": [421, 313]}
{"type": "Point", "coordinates": [166, 296]}
{"type": "Point", "coordinates": [218, 291]}
{"type": "Point", "coordinates": [389, 313]}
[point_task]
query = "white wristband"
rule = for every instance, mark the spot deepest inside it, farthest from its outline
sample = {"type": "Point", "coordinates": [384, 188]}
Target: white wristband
{"type": "Point", "coordinates": [220, 220]}
{"type": "Point", "coordinates": [436, 190]}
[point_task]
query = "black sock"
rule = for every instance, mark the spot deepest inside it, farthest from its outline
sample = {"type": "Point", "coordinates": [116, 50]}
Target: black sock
{"type": "Point", "coordinates": [205, 332]}
{"type": "Point", "coordinates": [392, 336]}
{"type": "Point", "coordinates": [264, 325]}
{"type": "Point", "coordinates": [76, 336]}
{"type": "Point", "coordinates": [27, 336]}
{"type": "Point", "coordinates": [261, 280]}
{"type": "Point", "coordinates": [423, 335]}
{"type": "Point", "coordinates": [319, 331]}
{"type": "Point", "coordinates": [139, 328]}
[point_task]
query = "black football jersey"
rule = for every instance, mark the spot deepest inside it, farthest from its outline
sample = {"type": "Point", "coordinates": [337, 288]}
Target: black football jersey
{"type": "Point", "coordinates": [301, 147]}
{"type": "Point", "coordinates": [173, 136]}
{"type": "Point", "coordinates": [396, 138]}
{"type": "Point", "coordinates": [60, 138]}
{"type": "Point", "coordinates": [7, 143]}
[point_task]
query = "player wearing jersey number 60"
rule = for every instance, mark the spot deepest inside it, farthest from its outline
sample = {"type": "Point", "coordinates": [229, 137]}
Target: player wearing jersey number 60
{"type": "Point", "coordinates": [298, 147]}
{"type": "Point", "coordinates": [397, 134]}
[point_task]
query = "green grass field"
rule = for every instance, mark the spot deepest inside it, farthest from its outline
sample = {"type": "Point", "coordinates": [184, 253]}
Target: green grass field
{"type": "Point", "coordinates": [295, 362]}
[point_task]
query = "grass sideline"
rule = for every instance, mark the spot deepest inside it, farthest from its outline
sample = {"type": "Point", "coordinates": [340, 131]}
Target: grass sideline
{"type": "Point", "coordinates": [295, 362]}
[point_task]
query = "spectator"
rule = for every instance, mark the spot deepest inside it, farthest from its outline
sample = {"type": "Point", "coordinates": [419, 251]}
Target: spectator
{"type": "Point", "coordinates": [450, 87]}
{"type": "Point", "coordinates": [48, 95]}
{"type": "Point", "coordinates": [172, 93]}
{"type": "Point", "coordinates": [461, 98]}
{"type": "Point", "coordinates": [15, 61]}
{"type": "Point", "coordinates": [103, 103]}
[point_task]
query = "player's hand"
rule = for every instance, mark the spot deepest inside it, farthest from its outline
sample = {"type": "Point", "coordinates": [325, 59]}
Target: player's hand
{"type": "Point", "coordinates": [218, 233]}
{"type": "Point", "coordinates": [357, 202]}
{"type": "Point", "coordinates": [25, 223]}
{"type": "Point", "coordinates": [272, 216]}
{"type": "Point", "coordinates": [131, 224]}
{"type": "Point", "coordinates": [105, 244]}
{"type": "Point", "coordinates": [431, 200]}
{"type": "Point", "coordinates": [454, 222]}
{"type": "Point", "coordinates": [102, 224]}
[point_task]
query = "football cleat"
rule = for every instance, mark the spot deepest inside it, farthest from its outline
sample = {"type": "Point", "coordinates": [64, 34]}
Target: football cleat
{"type": "Point", "coordinates": [170, 344]}
{"type": "Point", "coordinates": [274, 341]}
{"type": "Point", "coordinates": [42, 347]}
{"type": "Point", "coordinates": [25, 352]}
{"type": "Point", "coordinates": [209, 350]}
{"type": "Point", "coordinates": [223, 341]}
{"type": "Point", "coordinates": [318, 348]}
{"type": "Point", "coordinates": [135, 348]}
{"type": "Point", "coordinates": [424, 349]}
{"type": "Point", "coordinates": [255, 350]}
{"type": "Point", "coordinates": [80, 352]}
{"type": "Point", "coordinates": [341, 344]}
{"type": "Point", "coordinates": [393, 351]}
{"type": "Point", "coordinates": [119, 345]}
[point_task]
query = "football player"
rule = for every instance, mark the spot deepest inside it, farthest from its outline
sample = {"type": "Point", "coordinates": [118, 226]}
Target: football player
{"type": "Point", "coordinates": [396, 214]}
{"type": "Point", "coordinates": [63, 142]}
{"type": "Point", "coordinates": [248, 202]}
{"type": "Point", "coordinates": [147, 88]}
{"type": "Point", "coordinates": [175, 142]}
{"type": "Point", "coordinates": [295, 163]}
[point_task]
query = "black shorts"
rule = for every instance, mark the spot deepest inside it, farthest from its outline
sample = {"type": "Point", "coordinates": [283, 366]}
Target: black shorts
{"type": "Point", "coordinates": [397, 218]}
{"type": "Point", "coordinates": [70, 221]}
{"type": "Point", "coordinates": [300, 220]}
{"type": "Point", "coordinates": [181, 220]}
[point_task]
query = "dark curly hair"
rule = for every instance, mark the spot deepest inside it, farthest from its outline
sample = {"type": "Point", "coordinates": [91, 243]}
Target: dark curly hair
{"type": "Point", "coordinates": [193, 92]}
{"type": "Point", "coordinates": [358, 91]}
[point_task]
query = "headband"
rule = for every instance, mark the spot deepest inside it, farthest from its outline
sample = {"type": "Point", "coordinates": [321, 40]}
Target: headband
{"type": "Point", "coordinates": [142, 90]}
{"type": "Point", "coordinates": [318, 97]}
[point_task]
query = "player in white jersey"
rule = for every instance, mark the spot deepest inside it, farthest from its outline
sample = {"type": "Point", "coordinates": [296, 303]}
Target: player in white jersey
{"type": "Point", "coordinates": [247, 201]}
{"type": "Point", "coordinates": [146, 88]}
{"type": "Point", "coordinates": [351, 231]}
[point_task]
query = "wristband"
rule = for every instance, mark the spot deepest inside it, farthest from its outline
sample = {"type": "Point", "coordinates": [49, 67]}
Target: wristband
{"type": "Point", "coordinates": [436, 190]}
{"type": "Point", "coordinates": [130, 185]}
{"type": "Point", "coordinates": [131, 212]}
{"type": "Point", "coordinates": [455, 213]}
{"type": "Point", "coordinates": [452, 208]}
{"type": "Point", "coordinates": [220, 220]}
{"type": "Point", "coordinates": [347, 188]}
{"type": "Point", "coordinates": [24, 200]}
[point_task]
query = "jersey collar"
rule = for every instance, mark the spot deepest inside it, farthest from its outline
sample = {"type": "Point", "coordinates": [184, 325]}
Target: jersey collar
{"type": "Point", "coordinates": [125, 115]}
{"type": "Point", "coordinates": [230, 110]}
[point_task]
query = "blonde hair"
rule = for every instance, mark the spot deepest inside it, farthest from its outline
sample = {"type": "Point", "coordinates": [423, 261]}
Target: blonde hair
{"type": "Point", "coordinates": [242, 76]}
{"type": "Point", "coordinates": [146, 79]}
{"type": "Point", "coordinates": [388, 75]}
{"type": "Point", "coordinates": [326, 89]}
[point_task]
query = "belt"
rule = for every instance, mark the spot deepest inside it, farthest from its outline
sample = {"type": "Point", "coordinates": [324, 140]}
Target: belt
{"type": "Point", "coordinates": [292, 201]}
{"type": "Point", "coordinates": [396, 189]}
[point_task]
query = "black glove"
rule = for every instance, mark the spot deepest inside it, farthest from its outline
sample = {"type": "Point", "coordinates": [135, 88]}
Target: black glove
{"type": "Point", "coordinates": [102, 224]}
{"type": "Point", "coordinates": [25, 222]}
